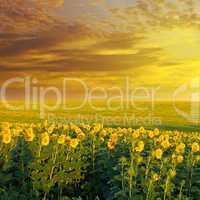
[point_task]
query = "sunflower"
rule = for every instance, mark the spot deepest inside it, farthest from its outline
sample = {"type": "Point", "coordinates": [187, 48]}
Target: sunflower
{"type": "Point", "coordinates": [74, 143]}
{"type": "Point", "coordinates": [180, 148]}
{"type": "Point", "coordinates": [29, 135]}
{"type": "Point", "coordinates": [44, 139]}
{"type": "Point", "coordinates": [6, 136]}
{"type": "Point", "coordinates": [158, 153]}
{"type": "Point", "coordinates": [195, 147]}
{"type": "Point", "coordinates": [61, 139]}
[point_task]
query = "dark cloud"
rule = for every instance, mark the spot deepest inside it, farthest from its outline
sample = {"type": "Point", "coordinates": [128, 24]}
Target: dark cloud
{"type": "Point", "coordinates": [167, 64]}
{"type": "Point", "coordinates": [83, 61]}
{"type": "Point", "coordinates": [30, 29]}
{"type": "Point", "coordinates": [20, 44]}
{"type": "Point", "coordinates": [118, 41]}
{"type": "Point", "coordinates": [23, 16]}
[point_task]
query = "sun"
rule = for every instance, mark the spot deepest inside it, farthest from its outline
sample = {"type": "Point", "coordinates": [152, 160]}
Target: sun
{"type": "Point", "coordinates": [179, 43]}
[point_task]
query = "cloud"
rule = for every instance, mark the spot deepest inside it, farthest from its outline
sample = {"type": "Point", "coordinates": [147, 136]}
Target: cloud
{"type": "Point", "coordinates": [40, 37]}
{"type": "Point", "coordinates": [50, 3]}
{"type": "Point", "coordinates": [118, 41]}
{"type": "Point", "coordinates": [80, 61]}
{"type": "Point", "coordinates": [154, 14]}
{"type": "Point", "coordinates": [17, 44]}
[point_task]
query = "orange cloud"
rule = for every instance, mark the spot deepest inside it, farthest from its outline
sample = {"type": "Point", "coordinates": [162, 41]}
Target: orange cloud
{"type": "Point", "coordinates": [50, 3]}
{"type": "Point", "coordinates": [36, 36]}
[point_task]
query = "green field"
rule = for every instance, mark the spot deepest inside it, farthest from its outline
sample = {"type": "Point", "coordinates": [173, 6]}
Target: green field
{"type": "Point", "coordinates": [87, 161]}
{"type": "Point", "coordinates": [161, 114]}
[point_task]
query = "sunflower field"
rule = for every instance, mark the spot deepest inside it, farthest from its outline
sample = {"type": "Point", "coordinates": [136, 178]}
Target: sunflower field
{"type": "Point", "coordinates": [92, 162]}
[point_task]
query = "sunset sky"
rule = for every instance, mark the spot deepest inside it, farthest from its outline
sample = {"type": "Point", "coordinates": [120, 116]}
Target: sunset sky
{"type": "Point", "coordinates": [153, 42]}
